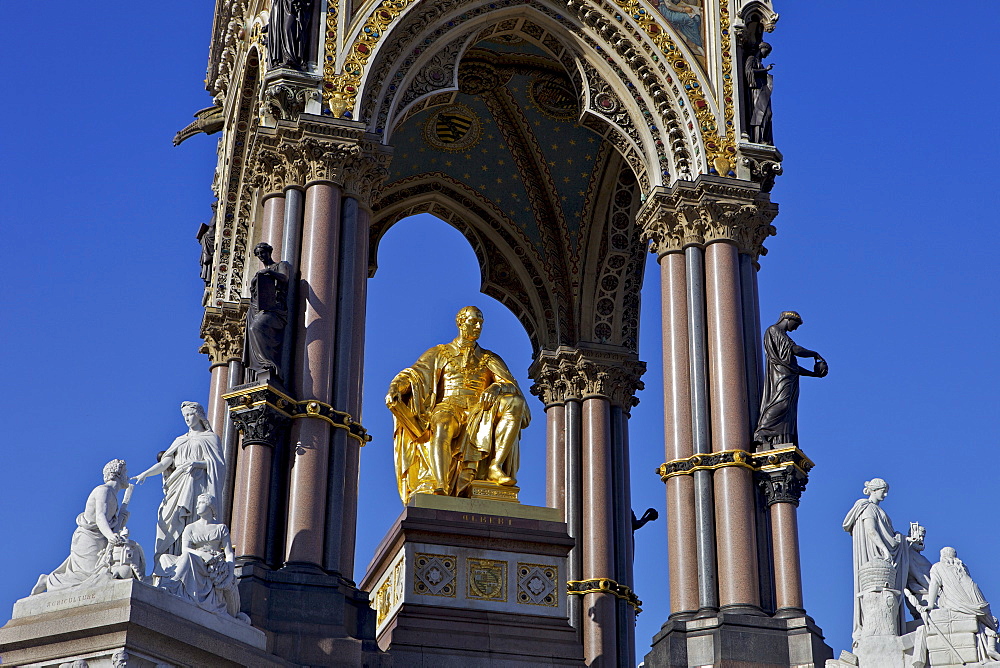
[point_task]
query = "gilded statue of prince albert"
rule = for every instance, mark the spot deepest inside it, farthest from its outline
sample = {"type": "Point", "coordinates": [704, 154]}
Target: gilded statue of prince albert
{"type": "Point", "coordinates": [458, 416]}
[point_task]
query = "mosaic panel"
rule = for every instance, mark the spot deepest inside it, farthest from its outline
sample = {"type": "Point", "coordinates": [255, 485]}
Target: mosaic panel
{"type": "Point", "coordinates": [434, 574]}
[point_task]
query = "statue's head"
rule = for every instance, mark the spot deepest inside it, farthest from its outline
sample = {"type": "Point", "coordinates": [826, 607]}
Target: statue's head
{"type": "Point", "coordinates": [876, 489]}
{"type": "Point", "coordinates": [263, 251]}
{"type": "Point", "coordinates": [115, 470]}
{"type": "Point", "coordinates": [791, 318]}
{"type": "Point", "coordinates": [764, 49]}
{"type": "Point", "coordinates": [194, 416]}
{"type": "Point", "coordinates": [948, 553]}
{"type": "Point", "coordinates": [206, 502]}
{"type": "Point", "coordinates": [470, 322]}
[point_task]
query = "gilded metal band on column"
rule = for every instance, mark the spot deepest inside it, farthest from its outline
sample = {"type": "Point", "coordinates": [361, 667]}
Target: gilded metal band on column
{"type": "Point", "coordinates": [265, 395]}
{"type": "Point", "coordinates": [770, 460]}
{"type": "Point", "coordinates": [604, 586]}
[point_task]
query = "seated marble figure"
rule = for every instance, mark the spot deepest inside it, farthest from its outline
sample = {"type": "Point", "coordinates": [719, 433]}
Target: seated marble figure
{"type": "Point", "coordinates": [204, 571]}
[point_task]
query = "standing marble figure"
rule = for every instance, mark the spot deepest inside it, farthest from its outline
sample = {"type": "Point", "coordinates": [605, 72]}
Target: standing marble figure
{"type": "Point", "coordinates": [458, 414]}
{"type": "Point", "coordinates": [778, 421]}
{"type": "Point", "coordinates": [97, 527]}
{"type": "Point", "coordinates": [881, 562]}
{"type": "Point", "coordinates": [193, 464]}
{"type": "Point", "coordinates": [268, 313]}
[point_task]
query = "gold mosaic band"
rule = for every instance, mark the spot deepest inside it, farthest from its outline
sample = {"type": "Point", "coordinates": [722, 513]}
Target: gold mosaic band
{"type": "Point", "coordinates": [604, 586]}
{"type": "Point", "coordinates": [265, 395]}
{"type": "Point", "coordinates": [769, 460]}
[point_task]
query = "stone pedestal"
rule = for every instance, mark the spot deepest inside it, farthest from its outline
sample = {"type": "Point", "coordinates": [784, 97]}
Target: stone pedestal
{"type": "Point", "coordinates": [472, 582]}
{"type": "Point", "coordinates": [127, 623]}
{"type": "Point", "coordinates": [730, 639]}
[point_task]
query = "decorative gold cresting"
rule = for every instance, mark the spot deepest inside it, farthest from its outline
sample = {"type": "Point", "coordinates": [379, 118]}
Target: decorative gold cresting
{"type": "Point", "coordinates": [604, 586]}
{"type": "Point", "coordinates": [267, 396]}
{"type": "Point", "coordinates": [766, 461]}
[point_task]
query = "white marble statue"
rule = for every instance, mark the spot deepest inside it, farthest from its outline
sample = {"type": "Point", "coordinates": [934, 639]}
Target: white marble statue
{"type": "Point", "coordinates": [881, 564]}
{"type": "Point", "coordinates": [952, 589]}
{"type": "Point", "coordinates": [204, 571]}
{"type": "Point", "coordinates": [102, 523]}
{"type": "Point", "coordinates": [193, 464]}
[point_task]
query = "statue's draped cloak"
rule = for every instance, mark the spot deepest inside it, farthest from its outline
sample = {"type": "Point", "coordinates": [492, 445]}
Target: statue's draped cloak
{"type": "Point", "coordinates": [181, 488]}
{"type": "Point", "coordinates": [874, 539]}
{"type": "Point", "coordinates": [475, 438]}
{"type": "Point", "coordinates": [195, 573]}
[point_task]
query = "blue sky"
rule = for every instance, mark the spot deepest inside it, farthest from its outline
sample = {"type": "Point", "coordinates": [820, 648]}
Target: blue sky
{"type": "Point", "coordinates": [886, 244]}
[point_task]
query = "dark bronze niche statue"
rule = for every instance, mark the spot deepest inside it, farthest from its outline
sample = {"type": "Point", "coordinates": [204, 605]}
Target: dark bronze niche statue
{"type": "Point", "coordinates": [778, 423]}
{"type": "Point", "coordinates": [268, 314]}
{"type": "Point", "coordinates": [206, 237]}
{"type": "Point", "coordinates": [759, 83]}
{"type": "Point", "coordinates": [288, 34]}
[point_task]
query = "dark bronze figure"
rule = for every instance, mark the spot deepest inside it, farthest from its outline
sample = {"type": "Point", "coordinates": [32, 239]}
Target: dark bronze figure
{"type": "Point", "coordinates": [268, 314]}
{"type": "Point", "coordinates": [206, 237]}
{"type": "Point", "coordinates": [760, 83]}
{"type": "Point", "coordinates": [778, 423]}
{"type": "Point", "coordinates": [288, 33]}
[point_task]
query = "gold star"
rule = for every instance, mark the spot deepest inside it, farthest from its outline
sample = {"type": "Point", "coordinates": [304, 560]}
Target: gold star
{"type": "Point", "coordinates": [580, 193]}
{"type": "Point", "coordinates": [499, 162]}
{"type": "Point", "coordinates": [499, 180]}
{"type": "Point", "coordinates": [485, 168]}
{"type": "Point", "coordinates": [552, 163]}
{"type": "Point", "coordinates": [468, 156]}
{"type": "Point", "coordinates": [405, 156]}
{"type": "Point", "coordinates": [569, 161]}
{"type": "Point", "coordinates": [447, 163]}
{"type": "Point", "coordinates": [482, 187]}
{"type": "Point", "coordinates": [422, 149]}
{"type": "Point", "coordinates": [538, 122]}
{"type": "Point", "coordinates": [489, 136]}
{"type": "Point", "coordinates": [466, 176]}
{"type": "Point", "coordinates": [588, 157]}
{"type": "Point", "coordinates": [555, 147]}
{"type": "Point", "coordinates": [572, 142]}
{"type": "Point", "coordinates": [590, 139]}
{"type": "Point", "coordinates": [583, 175]}
{"type": "Point", "coordinates": [565, 179]}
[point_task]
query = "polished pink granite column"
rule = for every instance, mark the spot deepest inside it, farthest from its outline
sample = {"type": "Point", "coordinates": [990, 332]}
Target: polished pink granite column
{"type": "Point", "coordinates": [555, 460]}
{"type": "Point", "coordinates": [216, 411]}
{"type": "Point", "coordinates": [734, 493]}
{"type": "Point", "coordinates": [273, 222]}
{"type": "Point", "coordinates": [310, 437]}
{"type": "Point", "coordinates": [349, 519]}
{"type": "Point", "coordinates": [787, 568]}
{"type": "Point", "coordinates": [678, 443]}
{"type": "Point", "coordinates": [599, 610]}
{"type": "Point", "coordinates": [253, 487]}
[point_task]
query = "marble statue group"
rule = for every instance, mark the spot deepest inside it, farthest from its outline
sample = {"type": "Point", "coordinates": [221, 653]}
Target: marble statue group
{"type": "Point", "coordinates": [950, 621]}
{"type": "Point", "coordinates": [193, 556]}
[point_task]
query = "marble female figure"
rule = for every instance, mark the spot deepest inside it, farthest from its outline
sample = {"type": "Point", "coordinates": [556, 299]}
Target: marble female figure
{"type": "Point", "coordinates": [193, 464]}
{"type": "Point", "coordinates": [204, 572]}
{"type": "Point", "coordinates": [878, 551]}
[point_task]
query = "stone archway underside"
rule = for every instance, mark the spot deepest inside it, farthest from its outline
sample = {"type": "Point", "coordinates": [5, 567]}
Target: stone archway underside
{"type": "Point", "coordinates": [505, 160]}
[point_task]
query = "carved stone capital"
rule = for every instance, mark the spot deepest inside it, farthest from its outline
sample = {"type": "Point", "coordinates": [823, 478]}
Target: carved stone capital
{"type": "Point", "coordinates": [223, 329]}
{"type": "Point", "coordinates": [317, 149]}
{"type": "Point", "coordinates": [707, 210]}
{"type": "Point", "coordinates": [261, 415]}
{"type": "Point", "coordinates": [574, 373]}
{"type": "Point", "coordinates": [288, 93]}
{"type": "Point", "coordinates": [784, 485]}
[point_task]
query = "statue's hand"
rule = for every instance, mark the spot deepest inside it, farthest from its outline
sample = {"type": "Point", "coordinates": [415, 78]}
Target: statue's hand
{"type": "Point", "coordinates": [139, 479]}
{"type": "Point", "coordinates": [116, 540]}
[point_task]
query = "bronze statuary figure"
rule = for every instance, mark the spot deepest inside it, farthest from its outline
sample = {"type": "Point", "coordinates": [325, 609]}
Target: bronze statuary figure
{"type": "Point", "coordinates": [458, 413]}
{"type": "Point", "coordinates": [760, 83]}
{"type": "Point", "coordinates": [268, 313]}
{"type": "Point", "coordinates": [778, 423]}
{"type": "Point", "coordinates": [288, 33]}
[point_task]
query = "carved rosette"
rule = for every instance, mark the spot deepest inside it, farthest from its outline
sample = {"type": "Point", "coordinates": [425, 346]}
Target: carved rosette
{"type": "Point", "coordinates": [705, 211]}
{"type": "Point", "coordinates": [337, 151]}
{"type": "Point", "coordinates": [223, 329]}
{"type": "Point", "coordinates": [572, 373]}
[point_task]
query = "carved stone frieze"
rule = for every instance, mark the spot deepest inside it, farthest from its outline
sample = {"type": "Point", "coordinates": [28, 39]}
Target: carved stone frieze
{"type": "Point", "coordinates": [337, 151]}
{"type": "Point", "coordinates": [707, 210]}
{"type": "Point", "coordinates": [575, 373]}
{"type": "Point", "coordinates": [223, 329]}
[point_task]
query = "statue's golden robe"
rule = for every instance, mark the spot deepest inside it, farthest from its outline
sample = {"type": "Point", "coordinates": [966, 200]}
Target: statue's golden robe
{"type": "Point", "coordinates": [484, 420]}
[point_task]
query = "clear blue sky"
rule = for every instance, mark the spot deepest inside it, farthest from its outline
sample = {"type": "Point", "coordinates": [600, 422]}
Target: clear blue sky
{"type": "Point", "coordinates": [887, 245]}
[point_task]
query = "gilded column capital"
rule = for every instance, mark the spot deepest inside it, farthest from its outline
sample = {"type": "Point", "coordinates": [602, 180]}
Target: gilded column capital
{"type": "Point", "coordinates": [575, 373]}
{"type": "Point", "coordinates": [297, 153]}
{"type": "Point", "coordinates": [708, 210]}
{"type": "Point", "coordinates": [223, 328]}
